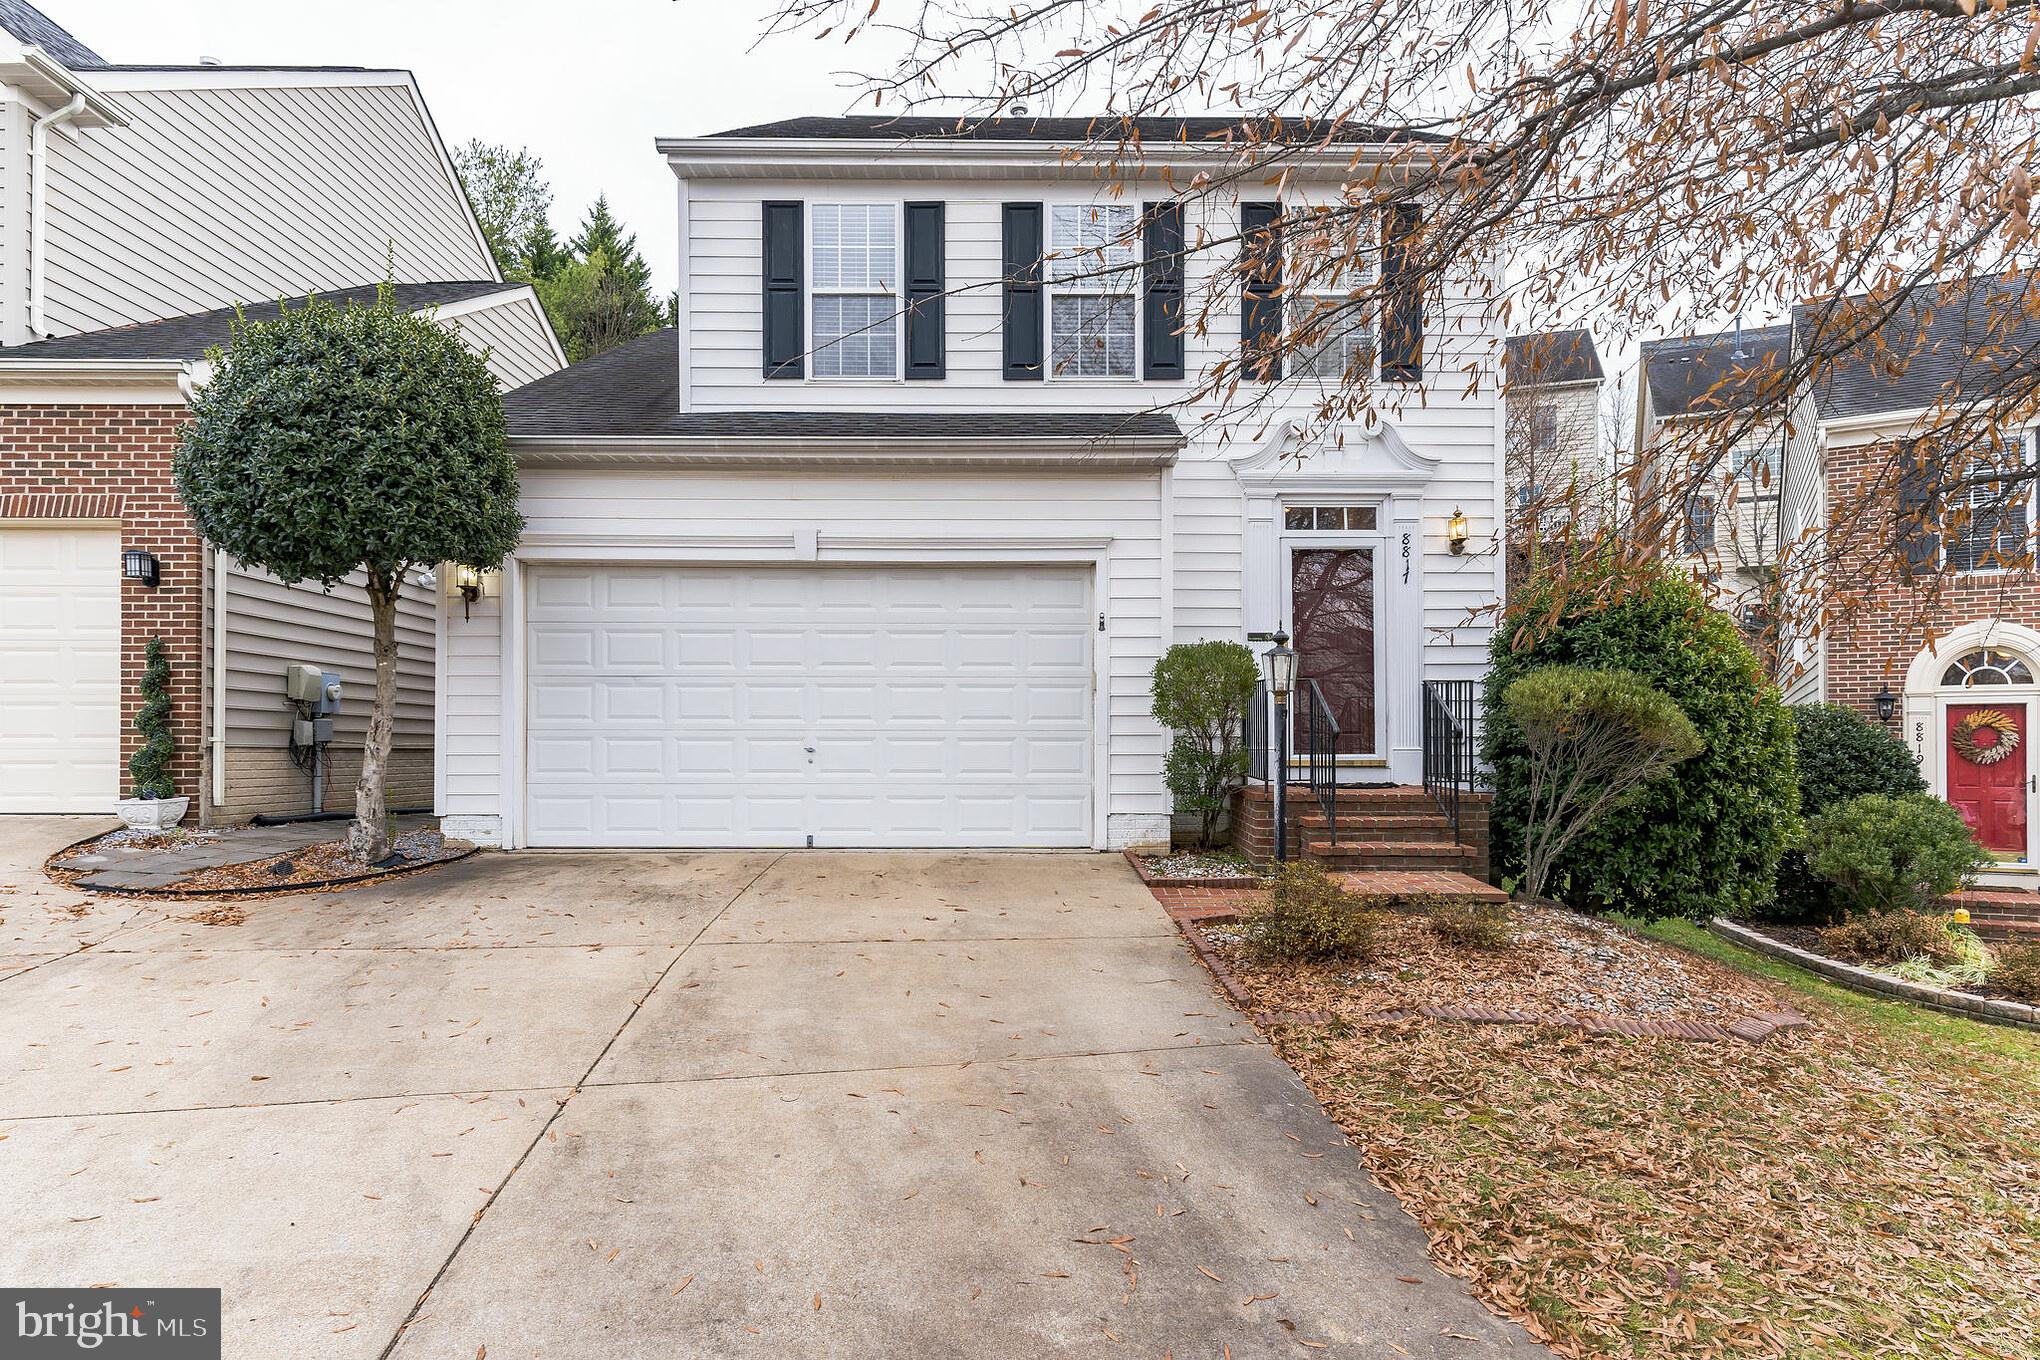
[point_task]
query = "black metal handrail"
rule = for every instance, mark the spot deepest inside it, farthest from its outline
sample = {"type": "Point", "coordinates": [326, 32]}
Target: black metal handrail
{"type": "Point", "coordinates": [1449, 708]}
{"type": "Point", "coordinates": [1321, 753]}
{"type": "Point", "coordinates": [1260, 731]}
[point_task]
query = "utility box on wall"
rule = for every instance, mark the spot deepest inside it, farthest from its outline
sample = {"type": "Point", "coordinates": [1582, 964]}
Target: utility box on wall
{"type": "Point", "coordinates": [308, 684]}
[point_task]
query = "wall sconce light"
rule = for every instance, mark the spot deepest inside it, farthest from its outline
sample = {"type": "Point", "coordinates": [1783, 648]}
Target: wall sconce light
{"type": "Point", "coordinates": [1887, 704]}
{"type": "Point", "coordinates": [1456, 531]}
{"type": "Point", "coordinates": [136, 565]}
{"type": "Point", "coordinates": [468, 581]}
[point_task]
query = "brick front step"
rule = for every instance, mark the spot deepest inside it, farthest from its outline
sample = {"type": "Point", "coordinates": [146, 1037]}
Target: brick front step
{"type": "Point", "coordinates": [1420, 885]}
{"type": "Point", "coordinates": [1392, 826]}
{"type": "Point", "coordinates": [1391, 854]}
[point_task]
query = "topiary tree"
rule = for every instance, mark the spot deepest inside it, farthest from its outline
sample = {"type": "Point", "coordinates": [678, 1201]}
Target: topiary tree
{"type": "Point", "coordinates": [1594, 739]}
{"type": "Point", "coordinates": [1842, 755]}
{"type": "Point", "coordinates": [1893, 854]}
{"type": "Point", "coordinates": [366, 439]}
{"type": "Point", "coordinates": [1704, 839]}
{"type": "Point", "coordinates": [1202, 691]}
{"type": "Point", "coordinates": [150, 766]}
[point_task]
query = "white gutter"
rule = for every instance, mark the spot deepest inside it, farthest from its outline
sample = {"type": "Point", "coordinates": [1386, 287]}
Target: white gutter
{"type": "Point", "coordinates": [38, 205]}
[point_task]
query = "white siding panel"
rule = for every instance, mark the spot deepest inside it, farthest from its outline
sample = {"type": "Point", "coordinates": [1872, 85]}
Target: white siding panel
{"type": "Point", "coordinates": [516, 338]}
{"type": "Point", "coordinates": [214, 196]}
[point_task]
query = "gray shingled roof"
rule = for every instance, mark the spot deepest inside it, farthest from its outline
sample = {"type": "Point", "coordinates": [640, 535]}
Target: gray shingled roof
{"type": "Point", "coordinates": [1545, 357]}
{"type": "Point", "coordinates": [1934, 348]}
{"type": "Point", "coordinates": [1712, 373]}
{"type": "Point", "coordinates": [31, 26]}
{"type": "Point", "coordinates": [189, 337]}
{"type": "Point", "coordinates": [632, 392]}
{"type": "Point", "coordinates": [1208, 131]}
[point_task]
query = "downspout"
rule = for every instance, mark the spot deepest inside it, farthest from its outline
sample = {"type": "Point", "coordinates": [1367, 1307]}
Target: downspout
{"type": "Point", "coordinates": [38, 206]}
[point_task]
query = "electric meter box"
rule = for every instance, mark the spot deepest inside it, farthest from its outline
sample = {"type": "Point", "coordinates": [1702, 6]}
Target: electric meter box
{"type": "Point", "coordinates": [304, 684]}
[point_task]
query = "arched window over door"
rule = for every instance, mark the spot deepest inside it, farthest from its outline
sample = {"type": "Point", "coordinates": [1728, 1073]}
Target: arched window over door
{"type": "Point", "coordinates": [1987, 666]}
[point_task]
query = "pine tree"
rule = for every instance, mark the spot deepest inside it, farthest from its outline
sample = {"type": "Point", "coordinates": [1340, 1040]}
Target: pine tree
{"type": "Point", "coordinates": [150, 766]}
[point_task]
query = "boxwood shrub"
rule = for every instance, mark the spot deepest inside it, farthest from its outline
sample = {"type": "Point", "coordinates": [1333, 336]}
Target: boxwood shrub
{"type": "Point", "coordinates": [1842, 755]}
{"type": "Point", "coordinates": [1705, 839]}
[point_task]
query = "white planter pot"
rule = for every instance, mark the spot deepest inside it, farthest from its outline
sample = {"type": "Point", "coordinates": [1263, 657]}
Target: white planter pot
{"type": "Point", "coordinates": [152, 814]}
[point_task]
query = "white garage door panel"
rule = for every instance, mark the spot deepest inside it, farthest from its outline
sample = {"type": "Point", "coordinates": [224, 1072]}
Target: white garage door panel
{"type": "Point", "coordinates": [677, 706]}
{"type": "Point", "coordinates": [59, 669]}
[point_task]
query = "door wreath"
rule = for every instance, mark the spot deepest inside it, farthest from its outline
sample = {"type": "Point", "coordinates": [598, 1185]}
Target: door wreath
{"type": "Point", "coordinates": [1985, 736]}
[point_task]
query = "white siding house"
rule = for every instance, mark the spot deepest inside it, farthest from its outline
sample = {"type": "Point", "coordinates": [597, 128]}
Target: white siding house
{"type": "Point", "coordinates": [957, 566]}
{"type": "Point", "coordinates": [139, 206]}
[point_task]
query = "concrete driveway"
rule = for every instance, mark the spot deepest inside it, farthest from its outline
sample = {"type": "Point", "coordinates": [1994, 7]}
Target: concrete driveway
{"type": "Point", "coordinates": [812, 1104]}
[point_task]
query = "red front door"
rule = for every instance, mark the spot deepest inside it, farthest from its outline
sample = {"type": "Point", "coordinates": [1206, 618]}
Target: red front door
{"type": "Point", "coordinates": [1988, 789]}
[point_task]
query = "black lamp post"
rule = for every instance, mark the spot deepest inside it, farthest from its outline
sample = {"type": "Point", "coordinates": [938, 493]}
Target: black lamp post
{"type": "Point", "coordinates": [1281, 662]}
{"type": "Point", "coordinates": [1887, 704]}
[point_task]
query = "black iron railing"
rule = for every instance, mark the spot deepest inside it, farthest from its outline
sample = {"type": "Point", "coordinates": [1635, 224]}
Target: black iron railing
{"type": "Point", "coordinates": [1260, 736]}
{"type": "Point", "coordinates": [1321, 754]}
{"type": "Point", "coordinates": [1449, 770]}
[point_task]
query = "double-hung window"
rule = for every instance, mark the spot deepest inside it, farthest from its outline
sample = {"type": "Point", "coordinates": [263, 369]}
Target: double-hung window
{"type": "Point", "coordinates": [1699, 524]}
{"type": "Point", "coordinates": [1093, 303]}
{"type": "Point", "coordinates": [1993, 527]}
{"type": "Point", "coordinates": [854, 284]}
{"type": "Point", "coordinates": [1330, 271]}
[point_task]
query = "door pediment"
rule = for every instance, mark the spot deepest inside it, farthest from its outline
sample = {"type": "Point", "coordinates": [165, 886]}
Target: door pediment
{"type": "Point", "coordinates": [1378, 458]}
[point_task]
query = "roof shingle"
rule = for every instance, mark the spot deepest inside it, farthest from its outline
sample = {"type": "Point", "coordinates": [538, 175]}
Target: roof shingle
{"type": "Point", "coordinates": [1547, 357]}
{"type": "Point", "coordinates": [1191, 131]}
{"type": "Point", "coordinates": [31, 26]}
{"type": "Point", "coordinates": [1703, 374]}
{"type": "Point", "coordinates": [189, 337]}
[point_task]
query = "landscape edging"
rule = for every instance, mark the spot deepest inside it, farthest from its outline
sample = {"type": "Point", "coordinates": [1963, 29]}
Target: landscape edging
{"type": "Point", "coordinates": [1988, 1009]}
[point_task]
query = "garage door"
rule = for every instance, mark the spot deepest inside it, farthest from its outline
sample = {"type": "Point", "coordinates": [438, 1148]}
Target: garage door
{"type": "Point", "coordinates": [59, 669]}
{"type": "Point", "coordinates": [845, 706]}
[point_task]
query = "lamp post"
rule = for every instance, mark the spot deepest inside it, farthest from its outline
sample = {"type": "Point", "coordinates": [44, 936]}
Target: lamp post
{"type": "Point", "coordinates": [1281, 662]}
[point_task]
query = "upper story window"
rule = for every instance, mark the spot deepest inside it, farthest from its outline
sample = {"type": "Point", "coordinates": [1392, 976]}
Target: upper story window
{"type": "Point", "coordinates": [1699, 524]}
{"type": "Point", "coordinates": [1093, 314]}
{"type": "Point", "coordinates": [1991, 528]}
{"type": "Point", "coordinates": [1334, 332]}
{"type": "Point", "coordinates": [854, 277]}
{"type": "Point", "coordinates": [1543, 432]}
{"type": "Point", "coordinates": [1761, 464]}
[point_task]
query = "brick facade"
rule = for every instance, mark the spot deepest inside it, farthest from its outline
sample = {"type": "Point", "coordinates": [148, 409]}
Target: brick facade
{"type": "Point", "coordinates": [112, 462]}
{"type": "Point", "coordinates": [1882, 622]}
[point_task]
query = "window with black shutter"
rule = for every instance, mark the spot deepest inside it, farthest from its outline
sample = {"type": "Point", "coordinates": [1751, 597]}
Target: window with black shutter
{"type": "Point", "coordinates": [1261, 289]}
{"type": "Point", "coordinates": [1402, 285]}
{"type": "Point", "coordinates": [1025, 318]}
{"type": "Point", "coordinates": [1162, 291]}
{"type": "Point", "coordinates": [926, 269]}
{"type": "Point", "coordinates": [785, 330]}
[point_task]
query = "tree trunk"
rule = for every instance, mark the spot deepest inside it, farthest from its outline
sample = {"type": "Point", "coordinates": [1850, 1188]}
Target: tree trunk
{"type": "Point", "coordinates": [368, 837]}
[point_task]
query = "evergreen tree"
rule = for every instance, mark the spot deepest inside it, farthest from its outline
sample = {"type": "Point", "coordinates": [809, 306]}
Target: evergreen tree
{"type": "Point", "coordinates": [150, 766]}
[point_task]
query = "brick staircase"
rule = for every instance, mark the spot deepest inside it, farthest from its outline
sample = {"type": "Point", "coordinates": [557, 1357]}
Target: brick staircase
{"type": "Point", "coordinates": [1381, 828]}
{"type": "Point", "coordinates": [2002, 913]}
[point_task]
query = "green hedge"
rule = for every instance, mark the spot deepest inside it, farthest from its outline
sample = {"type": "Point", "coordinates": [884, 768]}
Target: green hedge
{"type": "Point", "coordinates": [1705, 839]}
{"type": "Point", "coordinates": [1842, 755]}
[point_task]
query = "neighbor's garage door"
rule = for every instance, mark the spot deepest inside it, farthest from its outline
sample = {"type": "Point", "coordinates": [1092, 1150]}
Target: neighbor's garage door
{"type": "Point", "coordinates": [856, 706]}
{"type": "Point", "coordinates": [60, 669]}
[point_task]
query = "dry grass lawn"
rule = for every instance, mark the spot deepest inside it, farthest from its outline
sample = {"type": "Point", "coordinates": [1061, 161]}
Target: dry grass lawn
{"type": "Point", "coordinates": [1870, 1188]}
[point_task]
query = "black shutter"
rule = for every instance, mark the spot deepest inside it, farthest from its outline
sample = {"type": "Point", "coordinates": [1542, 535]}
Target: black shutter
{"type": "Point", "coordinates": [1402, 297]}
{"type": "Point", "coordinates": [1919, 540]}
{"type": "Point", "coordinates": [1260, 292]}
{"type": "Point", "coordinates": [1026, 314]}
{"type": "Point", "coordinates": [924, 289]}
{"type": "Point", "coordinates": [1162, 290]}
{"type": "Point", "coordinates": [785, 324]}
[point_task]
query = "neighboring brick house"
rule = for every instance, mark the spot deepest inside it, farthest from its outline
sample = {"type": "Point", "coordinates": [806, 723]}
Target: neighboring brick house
{"type": "Point", "coordinates": [1556, 461]}
{"type": "Point", "coordinates": [138, 207]}
{"type": "Point", "coordinates": [1905, 579]}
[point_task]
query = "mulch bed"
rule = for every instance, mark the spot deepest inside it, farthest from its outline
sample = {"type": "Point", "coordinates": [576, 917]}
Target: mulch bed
{"type": "Point", "coordinates": [1808, 938]}
{"type": "Point", "coordinates": [1561, 970]}
{"type": "Point", "coordinates": [320, 865]}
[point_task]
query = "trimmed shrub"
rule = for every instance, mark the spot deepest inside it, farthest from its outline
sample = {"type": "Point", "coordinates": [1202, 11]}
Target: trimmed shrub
{"type": "Point", "coordinates": [149, 767]}
{"type": "Point", "coordinates": [1472, 925]}
{"type": "Point", "coordinates": [2017, 971]}
{"type": "Point", "coordinates": [1888, 854]}
{"type": "Point", "coordinates": [1895, 936]}
{"type": "Point", "coordinates": [1842, 755]}
{"type": "Point", "coordinates": [1704, 840]}
{"type": "Point", "coordinates": [1594, 739]}
{"type": "Point", "coordinates": [1202, 691]}
{"type": "Point", "coordinates": [1309, 919]}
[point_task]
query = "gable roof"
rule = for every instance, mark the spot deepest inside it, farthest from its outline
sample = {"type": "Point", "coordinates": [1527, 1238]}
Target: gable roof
{"type": "Point", "coordinates": [1937, 345]}
{"type": "Point", "coordinates": [632, 393]}
{"type": "Point", "coordinates": [32, 28]}
{"type": "Point", "coordinates": [1545, 358]}
{"type": "Point", "coordinates": [1708, 374]}
{"type": "Point", "coordinates": [1206, 131]}
{"type": "Point", "coordinates": [189, 337]}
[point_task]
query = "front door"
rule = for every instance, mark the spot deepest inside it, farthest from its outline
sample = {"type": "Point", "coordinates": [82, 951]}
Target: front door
{"type": "Point", "coordinates": [1331, 627]}
{"type": "Point", "coordinates": [1987, 773]}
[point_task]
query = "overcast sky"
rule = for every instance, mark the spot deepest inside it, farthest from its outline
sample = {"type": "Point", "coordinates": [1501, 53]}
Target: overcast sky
{"type": "Point", "coordinates": [586, 86]}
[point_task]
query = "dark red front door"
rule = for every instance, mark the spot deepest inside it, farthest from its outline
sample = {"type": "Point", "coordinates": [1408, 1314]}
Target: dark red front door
{"type": "Point", "coordinates": [1332, 628]}
{"type": "Point", "coordinates": [1989, 793]}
